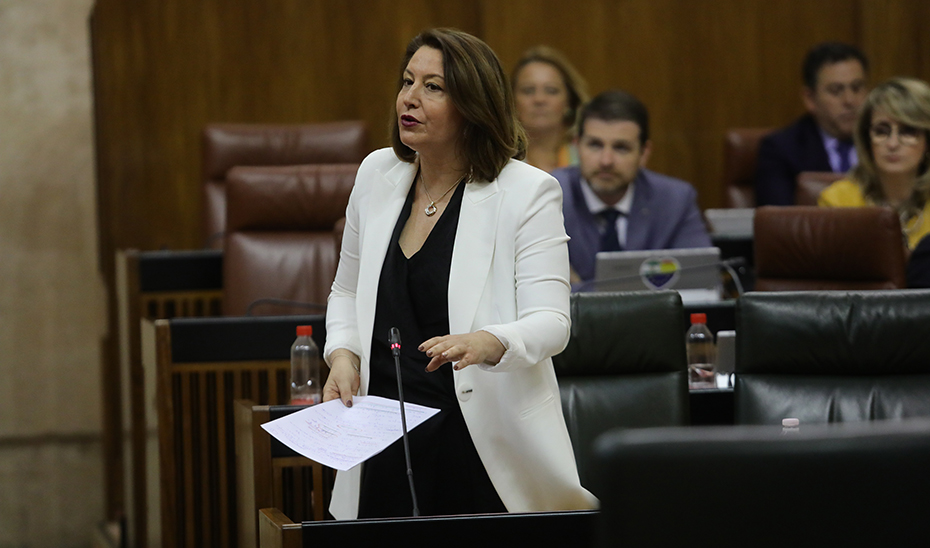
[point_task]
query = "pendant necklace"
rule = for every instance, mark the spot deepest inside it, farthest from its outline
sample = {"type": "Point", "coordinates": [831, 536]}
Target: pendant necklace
{"type": "Point", "coordinates": [431, 208]}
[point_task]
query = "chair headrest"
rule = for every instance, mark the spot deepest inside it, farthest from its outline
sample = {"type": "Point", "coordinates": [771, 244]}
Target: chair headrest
{"type": "Point", "coordinates": [229, 145]}
{"type": "Point", "coordinates": [861, 244]}
{"type": "Point", "coordinates": [624, 332]}
{"type": "Point", "coordinates": [305, 197]}
{"type": "Point", "coordinates": [834, 332]}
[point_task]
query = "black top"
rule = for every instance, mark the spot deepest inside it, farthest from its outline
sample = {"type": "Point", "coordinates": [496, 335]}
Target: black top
{"type": "Point", "coordinates": [918, 266]}
{"type": "Point", "coordinates": [413, 296]}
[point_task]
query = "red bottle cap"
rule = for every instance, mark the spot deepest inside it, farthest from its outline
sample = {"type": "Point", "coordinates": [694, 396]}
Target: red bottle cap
{"type": "Point", "coordinates": [699, 317]}
{"type": "Point", "coordinates": [304, 330]}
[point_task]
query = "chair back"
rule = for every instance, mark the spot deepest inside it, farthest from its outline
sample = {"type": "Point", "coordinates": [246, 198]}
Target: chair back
{"type": "Point", "coordinates": [228, 145]}
{"type": "Point", "coordinates": [808, 248]}
{"type": "Point", "coordinates": [741, 148]}
{"type": "Point", "coordinates": [624, 366]}
{"type": "Point", "coordinates": [733, 486]}
{"type": "Point", "coordinates": [811, 183]}
{"type": "Point", "coordinates": [283, 236]}
{"type": "Point", "coordinates": [832, 356]}
{"type": "Point", "coordinates": [202, 366]}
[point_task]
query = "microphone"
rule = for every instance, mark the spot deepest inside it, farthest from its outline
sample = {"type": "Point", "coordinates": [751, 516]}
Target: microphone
{"type": "Point", "coordinates": [394, 339]}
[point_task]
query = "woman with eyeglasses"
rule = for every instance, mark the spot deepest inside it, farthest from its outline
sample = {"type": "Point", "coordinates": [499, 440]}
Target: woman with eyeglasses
{"type": "Point", "coordinates": [894, 164]}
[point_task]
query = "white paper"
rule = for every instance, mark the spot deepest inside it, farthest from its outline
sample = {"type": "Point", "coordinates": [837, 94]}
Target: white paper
{"type": "Point", "coordinates": [341, 437]}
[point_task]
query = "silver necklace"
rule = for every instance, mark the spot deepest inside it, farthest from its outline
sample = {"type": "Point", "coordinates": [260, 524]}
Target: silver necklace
{"type": "Point", "coordinates": [431, 208]}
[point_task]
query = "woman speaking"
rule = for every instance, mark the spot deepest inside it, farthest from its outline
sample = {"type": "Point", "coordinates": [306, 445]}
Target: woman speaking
{"type": "Point", "coordinates": [462, 248]}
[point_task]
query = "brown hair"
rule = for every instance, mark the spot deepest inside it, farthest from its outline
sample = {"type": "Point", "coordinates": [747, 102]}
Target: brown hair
{"type": "Point", "coordinates": [907, 101]}
{"type": "Point", "coordinates": [575, 85]}
{"type": "Point", "coordinates": [478, 88]}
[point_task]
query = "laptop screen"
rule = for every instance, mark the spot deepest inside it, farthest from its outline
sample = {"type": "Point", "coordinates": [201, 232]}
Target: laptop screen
{"type": "Point", "coordinates": [694, 272]}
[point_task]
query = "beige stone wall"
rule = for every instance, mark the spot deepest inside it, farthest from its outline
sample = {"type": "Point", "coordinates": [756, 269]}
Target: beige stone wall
{"type": "Point", "coordinates": [52, 303]}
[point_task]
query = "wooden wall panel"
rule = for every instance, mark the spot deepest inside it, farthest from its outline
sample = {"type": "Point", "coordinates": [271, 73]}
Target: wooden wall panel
{"type": "Point", "coordinates": [896, 37]}
{"type": "Point", "coordinates": [700, 66]}
{"type": "Point", "coordinates": [163, 69]}
{"type": "Point", "coordinates": [166, 68]}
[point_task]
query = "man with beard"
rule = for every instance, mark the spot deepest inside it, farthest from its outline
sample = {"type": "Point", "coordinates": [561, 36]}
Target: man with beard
{"type": "Point", "coordinates": [610, 201]}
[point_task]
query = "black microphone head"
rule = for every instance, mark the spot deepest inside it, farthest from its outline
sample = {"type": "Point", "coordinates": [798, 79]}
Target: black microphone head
{"type": "Point", "coordinates": [394, 338]}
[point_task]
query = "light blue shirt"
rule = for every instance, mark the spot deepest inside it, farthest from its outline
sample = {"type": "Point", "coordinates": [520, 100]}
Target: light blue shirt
{"type": "Point", "coordinates": [831, 144]}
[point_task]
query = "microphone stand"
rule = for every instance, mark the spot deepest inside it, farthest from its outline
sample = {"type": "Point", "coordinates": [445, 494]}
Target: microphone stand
{"type": "Point", "coordinates": [394, 339]}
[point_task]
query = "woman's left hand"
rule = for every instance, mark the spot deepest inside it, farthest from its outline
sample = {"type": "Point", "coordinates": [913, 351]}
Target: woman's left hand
{"type": "Point", "coordinates": [468, 349]}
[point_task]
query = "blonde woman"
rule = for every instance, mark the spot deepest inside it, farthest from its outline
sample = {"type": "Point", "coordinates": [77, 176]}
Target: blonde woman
{"type": "Point", "coordinates": [894, 166]}
{"type": "Point", "coordinates": [549, 93]}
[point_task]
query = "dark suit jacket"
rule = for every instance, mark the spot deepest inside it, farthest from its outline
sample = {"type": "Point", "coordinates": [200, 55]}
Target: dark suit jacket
{"type": "Point", "coordinates": [785, 153]}
{"type": "Point", "coordinates": [664, 215]}
{"type": "Point", "coordinates": [918, 266]}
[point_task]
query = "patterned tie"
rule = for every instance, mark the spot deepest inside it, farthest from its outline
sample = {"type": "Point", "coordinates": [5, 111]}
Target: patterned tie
{"type": "Point", "coordinates": [610, 241]}
{"type": "Point", "coordinates": [843, 148]}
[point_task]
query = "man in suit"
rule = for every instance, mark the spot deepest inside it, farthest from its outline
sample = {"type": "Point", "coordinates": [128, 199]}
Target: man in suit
{"type": "Point", "coordinates": [610, 201]}
{"type": "Point", "coordinates": [821, 140]}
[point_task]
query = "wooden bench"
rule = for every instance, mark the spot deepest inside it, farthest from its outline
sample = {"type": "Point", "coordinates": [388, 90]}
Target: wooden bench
{"type": "Point", "coordinates": [202, 365]}
{"type": "Point", "coordinates": [152, 285]}
{"type": "Point", "coordinates": [270, 475]}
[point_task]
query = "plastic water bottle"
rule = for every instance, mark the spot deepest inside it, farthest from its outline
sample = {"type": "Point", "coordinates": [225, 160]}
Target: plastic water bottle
{"type": "Point", "coordinates": [305, 368]}
{"type": "Point", "coordinates": [699, 343]}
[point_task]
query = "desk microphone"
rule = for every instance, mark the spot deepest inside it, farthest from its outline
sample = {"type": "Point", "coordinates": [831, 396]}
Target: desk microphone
{"type": "Point", "coordinates": [394, 339]}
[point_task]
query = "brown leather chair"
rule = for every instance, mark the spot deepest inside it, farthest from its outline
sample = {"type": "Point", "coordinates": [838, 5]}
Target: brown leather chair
{"type": "Point", "coordinates": [228, 145]}
{"type": "Point", "coordinates": [805, 248]}
{"type": "Point", "coordinates": [282, 237]}
{"type": "Point", "coordinates": [741, 147]}
{"type": "Point", "coordinates": [811, 183]}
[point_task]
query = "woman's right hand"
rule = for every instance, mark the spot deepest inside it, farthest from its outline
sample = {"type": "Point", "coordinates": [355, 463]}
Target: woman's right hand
{"type": "Point", "coordinates": [343, 378]}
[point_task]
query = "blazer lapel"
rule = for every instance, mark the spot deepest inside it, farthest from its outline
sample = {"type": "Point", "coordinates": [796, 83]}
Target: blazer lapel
{"type": "Point", "coordinates": [475, 241]}
{"type": "Point", "coordinates": [387, 198]}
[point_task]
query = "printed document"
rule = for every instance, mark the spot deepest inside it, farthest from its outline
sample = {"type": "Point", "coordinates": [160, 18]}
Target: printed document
{"type": "Point", "coordinates": [341, 437]}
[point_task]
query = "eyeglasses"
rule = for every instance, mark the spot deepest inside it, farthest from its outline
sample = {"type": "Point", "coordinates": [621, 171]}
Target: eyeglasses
{"type": "Point", "coordinates": [907, 135]}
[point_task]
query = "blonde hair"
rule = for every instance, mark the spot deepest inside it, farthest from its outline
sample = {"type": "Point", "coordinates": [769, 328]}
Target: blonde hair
{"type": "Point", "coordinates": [907, 101]}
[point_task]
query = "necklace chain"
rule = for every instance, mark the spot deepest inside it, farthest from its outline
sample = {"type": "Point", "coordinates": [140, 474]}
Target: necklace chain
{"type": "Point", "coordinates": [431, 209]}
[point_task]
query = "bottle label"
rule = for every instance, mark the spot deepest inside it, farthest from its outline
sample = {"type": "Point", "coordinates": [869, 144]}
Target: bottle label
{"type": "Point", "coordinates": [312, 399]}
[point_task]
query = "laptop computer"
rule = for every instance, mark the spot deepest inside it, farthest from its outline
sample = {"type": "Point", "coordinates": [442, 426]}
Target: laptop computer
{"type": "Point", "coordinates": [694, 272]}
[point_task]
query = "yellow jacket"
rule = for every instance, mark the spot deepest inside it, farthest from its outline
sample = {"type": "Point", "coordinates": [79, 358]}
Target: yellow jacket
{"type": "Point", "coordinates": [846, 193]}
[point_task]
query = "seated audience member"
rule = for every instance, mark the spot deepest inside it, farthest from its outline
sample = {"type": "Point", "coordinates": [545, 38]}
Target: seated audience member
{"type": "Point", "coordinates": [821, 140]}
{"type": "Point", "coordinates": [548, 93]}
{"type": "Point", "coordinates": [611, 201]}
{"type": "Point", "coordinates": [894, 167]}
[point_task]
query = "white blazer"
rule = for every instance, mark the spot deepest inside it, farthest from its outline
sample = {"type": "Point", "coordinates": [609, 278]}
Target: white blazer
{"type": "Point", "coordinates": [509, 276]}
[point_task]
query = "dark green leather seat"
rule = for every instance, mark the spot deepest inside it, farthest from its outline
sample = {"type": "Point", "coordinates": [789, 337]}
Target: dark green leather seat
{"type": "Point", "coordinates": [832, 356]}
{"type": "Point", "coordinates": [852, 484]}
{"type": "Point", "coordinates": [624, 366]}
